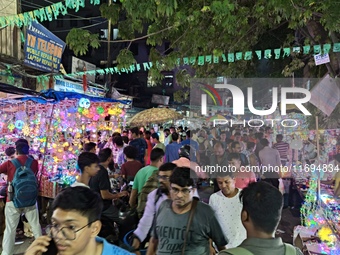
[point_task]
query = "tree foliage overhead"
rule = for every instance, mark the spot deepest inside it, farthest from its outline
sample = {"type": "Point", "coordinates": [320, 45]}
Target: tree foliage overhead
{"type": "Point", "coordinates": [211, 27]}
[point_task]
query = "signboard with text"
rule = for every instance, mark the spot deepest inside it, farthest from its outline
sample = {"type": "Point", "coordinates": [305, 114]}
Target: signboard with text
{"type": "Point", "coordinates": [43, 50]}
{"type": "Point", "coordinates": [69, 86]}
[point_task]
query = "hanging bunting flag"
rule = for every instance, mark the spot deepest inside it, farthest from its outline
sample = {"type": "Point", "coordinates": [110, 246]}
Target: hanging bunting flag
{"type": "Point", "coordinates": [208, 59]}
{"type": "Point", "coordinates": [277, 53]}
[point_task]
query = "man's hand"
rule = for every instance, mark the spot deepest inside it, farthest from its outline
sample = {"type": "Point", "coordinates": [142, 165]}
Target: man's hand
{"type": "Point", "coordinates": [135, 243]}
{"type": "Point", "coordinates": [38, 246]}
{"type": "Point", "coordinates": [124, 194]}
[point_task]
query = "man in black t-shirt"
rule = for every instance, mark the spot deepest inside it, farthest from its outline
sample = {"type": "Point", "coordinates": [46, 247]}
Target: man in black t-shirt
{"type": "Point", "coordinates": [100, 183]}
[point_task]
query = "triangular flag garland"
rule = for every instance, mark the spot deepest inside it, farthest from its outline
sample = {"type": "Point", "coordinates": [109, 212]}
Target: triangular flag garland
{"type": "Point", "coordinates": [210, 59]}
{"type": "Point", "coordinates": [49, 13]}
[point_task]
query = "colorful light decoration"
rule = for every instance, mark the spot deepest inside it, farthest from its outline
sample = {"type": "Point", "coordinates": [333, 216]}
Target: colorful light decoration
{"type": "Point", "coordinates": [84, 103]}
{"type": "Point", "coordinates": [19, 124]}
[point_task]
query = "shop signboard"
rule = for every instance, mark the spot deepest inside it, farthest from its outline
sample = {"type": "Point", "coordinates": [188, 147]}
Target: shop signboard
{"type": "Point", "coordinates": [69, 86]}
{"type": "Point", "coordinates": [43, 50]}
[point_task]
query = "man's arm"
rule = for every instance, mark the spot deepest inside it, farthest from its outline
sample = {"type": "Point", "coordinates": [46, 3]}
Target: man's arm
{"type": "Point", "coordinates": [107, 195]}
{"type": "Point", "coordinates": [146, 221]}
{"type": "Point", "coordinates": [153, 244]}
{"type": "Point", "coordinates": [133, 198]}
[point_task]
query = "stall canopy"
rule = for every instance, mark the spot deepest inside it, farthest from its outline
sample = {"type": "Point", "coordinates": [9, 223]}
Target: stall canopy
{"type": "Point", "coordinates": [10, 92]}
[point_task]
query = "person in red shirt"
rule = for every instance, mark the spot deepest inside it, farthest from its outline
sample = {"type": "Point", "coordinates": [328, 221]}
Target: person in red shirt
{"type": "Point", "coordinates": [147, 135]}
{"type": "Point", "coordinates": [12, 214]}
{"type": "Point", "coordinates": [131, 166]}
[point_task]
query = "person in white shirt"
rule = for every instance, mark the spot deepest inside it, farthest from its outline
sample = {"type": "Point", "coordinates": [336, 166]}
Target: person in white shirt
{"type": "Point", "coordinates": [227, 206]}
{"type": "Point", "coordinates": [88, 164]}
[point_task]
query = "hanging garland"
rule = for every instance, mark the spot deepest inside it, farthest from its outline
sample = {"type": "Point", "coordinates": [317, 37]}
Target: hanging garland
{"type": "Point", "coordinates": [46, 13]}
{"type": "Point", "coordinates": [210, 59]}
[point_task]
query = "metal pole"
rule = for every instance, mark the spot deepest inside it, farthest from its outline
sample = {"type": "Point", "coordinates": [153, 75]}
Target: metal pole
{"type": "Point", "coordinates": [109, 50]}
{"type": "Point", "coordinates": [318, 156]}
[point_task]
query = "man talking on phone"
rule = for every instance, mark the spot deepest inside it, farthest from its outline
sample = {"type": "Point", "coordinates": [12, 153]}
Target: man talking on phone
{"type": "Point", "coordinates": [75, 226]}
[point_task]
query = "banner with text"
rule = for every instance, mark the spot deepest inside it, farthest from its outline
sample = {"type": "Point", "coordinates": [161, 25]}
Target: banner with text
{"type": "Point", "coordinates": [43, 50]}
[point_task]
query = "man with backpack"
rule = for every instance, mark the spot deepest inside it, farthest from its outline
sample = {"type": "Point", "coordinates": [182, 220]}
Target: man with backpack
{"type": "Point", "coordinates": [260, 216]}
{"type": "Point", "coordinates": [22, 195]}
{"type": "Point", "coordinates": [156, 190]}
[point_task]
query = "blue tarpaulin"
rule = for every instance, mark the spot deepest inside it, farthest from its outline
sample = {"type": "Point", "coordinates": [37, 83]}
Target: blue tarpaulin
{"type": "Point", "coordinates": [52, 96]}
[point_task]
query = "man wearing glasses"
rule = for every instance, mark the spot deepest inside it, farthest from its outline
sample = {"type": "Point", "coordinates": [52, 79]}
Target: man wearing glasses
{"type": "Point", "coordinates": [75, 225]}
{"type": "Point", "coordinates": [169, 232]}
{"type": "Point", "coordinates": [154, 200]}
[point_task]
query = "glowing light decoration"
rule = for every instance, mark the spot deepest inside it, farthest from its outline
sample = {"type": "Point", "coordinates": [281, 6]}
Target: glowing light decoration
{"type": "Point", "coordinates": [85, 103]}
{"type": "Point", "coordinates": [19, 124]}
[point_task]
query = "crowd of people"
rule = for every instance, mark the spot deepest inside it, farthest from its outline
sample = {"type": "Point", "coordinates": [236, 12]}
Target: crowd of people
{"type": "Point", "coordinates": [166, 168]}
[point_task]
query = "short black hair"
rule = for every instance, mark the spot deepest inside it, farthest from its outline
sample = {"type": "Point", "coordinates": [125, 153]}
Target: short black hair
{"type": "Point", "coordinates": [184, 177]}
{"type": "Point", "coordinates": [264, 142]}
{"type": "Point", "coordinates": [21, 140]}
{"type": "Point", "coordinates": [166, 130]}
{"type": "Point", "coordinates": [233, 144]}
{"type": "Point", "coordinates": [174, 136]}
{"type": "Point", "coordinates": [263, 203]}
{"type": "Point", "coordinates": [234, 155]}
{"type": "Point", "coordinates": [104, 154]}
{"type": "Point", "coordinates": [80, 199]}
{"type": "Point", "coordinates": [135, 131]}
{"type": "Point", "coordinates": [87, 159]}
{"type": "Point", "coordinates": [188, 134]}
{"type": "Point", "coordinates": [156, 154]}
{"type": "Point", "coordinates": [89, 146]}
{"type": "Point", "coordinates": [130, 152]}
{"type": "Point", "coordinates": [10, 151]}
{"type": "Point", "coordinates": [118, 140]}
{"type": "Point", "coordinates": [219, 143]}
{"type": "Point", "coordinates": [116, 134]}
{"type": "Point", "coordinates": [279, 136]}
{"type": "Point", "coordinates": [167, 167]}
{"type": "Point", "coordinates": [250, 145]}
{"type": "Point", "coordinates": [155, 136]}
{"type": "Point", "coordinates": [22, 148]}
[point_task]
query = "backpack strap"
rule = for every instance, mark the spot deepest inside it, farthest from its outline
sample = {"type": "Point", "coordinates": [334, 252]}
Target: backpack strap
{"type": "Point", "coordinates": [16, 163]}
{"type": "Point", "coordinates": [236, 251]}
{"type": "Point", "coordinates": [29, 162]}
{"type": "Point", "coordinates": [289, 249]}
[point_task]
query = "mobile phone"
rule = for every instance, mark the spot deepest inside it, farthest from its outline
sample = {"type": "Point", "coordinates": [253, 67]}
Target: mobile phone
{"type": "Point", "coordinates": [51, 249]}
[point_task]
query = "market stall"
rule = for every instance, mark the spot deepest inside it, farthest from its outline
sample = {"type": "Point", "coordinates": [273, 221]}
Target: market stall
{"type": "Point", "coordinates": [56, 124]}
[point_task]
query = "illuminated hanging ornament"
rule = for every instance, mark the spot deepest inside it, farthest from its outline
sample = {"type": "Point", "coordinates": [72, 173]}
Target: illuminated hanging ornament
{"type": "Point", "coordinates": [85, 103]}
{"type": "Point", "coordinates": [100, 110]}
{"type": "Point", "coordinates": [96, 117]}
{"type": "Point", "coordinates": [19, 124]}
{"type": "Point", "coordinates": [111, 111]}
{"type": "Point", "coordinates": [11, 126]}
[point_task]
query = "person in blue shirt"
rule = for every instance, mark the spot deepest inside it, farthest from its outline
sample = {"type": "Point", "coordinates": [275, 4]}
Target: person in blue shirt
{"type": "Point", "coordinates": [171, 150]}
{"type": "Point", "coordinates": [189, 141]}
{"type": "Point", "coordinates": [75, 226]}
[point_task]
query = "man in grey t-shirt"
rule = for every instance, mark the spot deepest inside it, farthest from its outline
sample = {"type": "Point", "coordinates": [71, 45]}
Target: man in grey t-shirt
{"type": "Point", "coordinates": [172, 218]}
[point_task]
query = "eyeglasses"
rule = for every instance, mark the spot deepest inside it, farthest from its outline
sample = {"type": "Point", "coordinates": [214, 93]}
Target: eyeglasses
{"type": "Point", "coordinates": [163, 177]}
{"type": "Point", "coordinates": [184, 191]}
{"type": "Point", "coordinates": [68, 232]}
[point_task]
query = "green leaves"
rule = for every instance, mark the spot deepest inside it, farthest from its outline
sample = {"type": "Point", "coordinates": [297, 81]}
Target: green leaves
{"type": "Point", "coordinates": [79, 41]}
{"type": "Point", "coordinates": [110, 12]}
{"type": "Point", "coordinates": [125, 59]}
